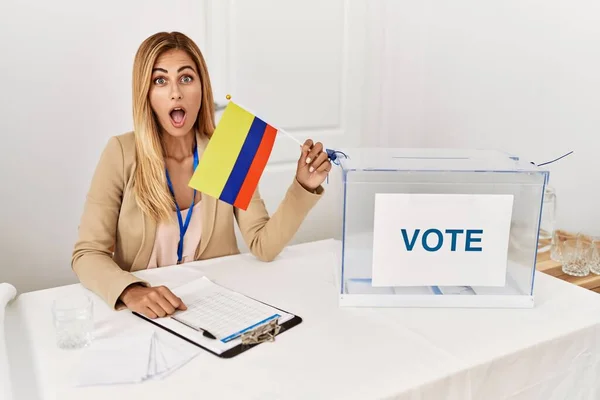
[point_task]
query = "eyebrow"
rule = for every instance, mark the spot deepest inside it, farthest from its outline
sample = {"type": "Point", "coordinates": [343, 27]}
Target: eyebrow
{"type": "Point", "coordinates": [185, 67]}
{"type": "Point", "coordinates": [179, 70]}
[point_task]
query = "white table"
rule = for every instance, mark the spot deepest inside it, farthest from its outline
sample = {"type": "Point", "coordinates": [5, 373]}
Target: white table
{"type": "Point", "coordinates": [549, 352]}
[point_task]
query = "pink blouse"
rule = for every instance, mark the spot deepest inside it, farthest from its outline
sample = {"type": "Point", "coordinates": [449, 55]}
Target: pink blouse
{"type": "Point", "coordinates": [164, 252]}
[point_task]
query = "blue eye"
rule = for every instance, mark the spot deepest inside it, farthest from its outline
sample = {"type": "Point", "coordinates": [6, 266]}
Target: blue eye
{"type": "Point", "coordinates": [159, 81]}
{"type": "Point", "coordinates": [186, 79]}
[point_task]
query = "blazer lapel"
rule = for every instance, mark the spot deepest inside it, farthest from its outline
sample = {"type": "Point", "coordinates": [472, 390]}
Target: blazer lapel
{"type": "Point", "coordinates": [209, 211]}
{"type": "Point", "coordinates": [143, 257]}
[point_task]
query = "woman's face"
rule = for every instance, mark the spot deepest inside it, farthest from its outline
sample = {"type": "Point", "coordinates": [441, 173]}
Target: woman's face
{"type": "Point", "coordinates": [175, 92]}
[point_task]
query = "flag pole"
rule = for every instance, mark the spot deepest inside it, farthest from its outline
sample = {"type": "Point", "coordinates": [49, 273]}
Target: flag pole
{"type": "Point", "coordinates": [331, 153]}
{"type": "Point", "coordinates": [289, 135]}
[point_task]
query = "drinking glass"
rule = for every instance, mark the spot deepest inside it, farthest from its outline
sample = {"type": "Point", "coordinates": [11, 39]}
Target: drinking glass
{"type": "Point", "coordinates": [73, 321]}
{"type": "Point", "coordinates": [575, 258]}
{"type": "Point", "coordinates": [559, 238]}
{"type": "Point", "coordinates": [594, 254]}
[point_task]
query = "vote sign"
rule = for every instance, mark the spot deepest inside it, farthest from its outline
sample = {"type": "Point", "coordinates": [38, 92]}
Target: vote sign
{"type": "Point", "coordinates": [440, 239]}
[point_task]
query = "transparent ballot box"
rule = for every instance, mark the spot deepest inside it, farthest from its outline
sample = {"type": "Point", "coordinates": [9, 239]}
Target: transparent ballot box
{"type": "Point", "coordinates": [437, 227]}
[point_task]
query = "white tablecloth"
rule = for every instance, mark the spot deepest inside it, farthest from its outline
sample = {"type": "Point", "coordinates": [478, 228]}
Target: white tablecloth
{"type": "Point", "coordinates": [549, 352]}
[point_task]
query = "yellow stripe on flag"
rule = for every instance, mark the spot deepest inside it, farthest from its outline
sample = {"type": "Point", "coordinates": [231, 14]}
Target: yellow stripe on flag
{"type": "Point", "coordinates": [222, 151]}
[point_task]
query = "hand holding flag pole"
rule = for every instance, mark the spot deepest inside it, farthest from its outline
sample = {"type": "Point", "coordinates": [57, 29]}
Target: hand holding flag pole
{"type": "Point", "coordinates": [238, 152]}
{"type": "Point", "coordinates": [333, 155]}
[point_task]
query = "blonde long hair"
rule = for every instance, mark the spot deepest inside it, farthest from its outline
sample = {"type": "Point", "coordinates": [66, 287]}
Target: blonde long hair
{"type": "Point", "coordinates": [150, 183]}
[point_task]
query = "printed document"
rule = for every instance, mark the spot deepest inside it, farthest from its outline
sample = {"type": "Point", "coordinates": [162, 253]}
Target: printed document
{"type": "Point", "coordinates": [224, 313]}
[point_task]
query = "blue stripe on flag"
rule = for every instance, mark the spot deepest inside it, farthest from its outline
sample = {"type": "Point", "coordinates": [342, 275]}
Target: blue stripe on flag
{"type": "Point", "coordinates": [243, 162]}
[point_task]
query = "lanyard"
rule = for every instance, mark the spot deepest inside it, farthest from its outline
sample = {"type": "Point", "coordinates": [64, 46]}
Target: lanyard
{"type": "Point", "coordinates": [183, 227]}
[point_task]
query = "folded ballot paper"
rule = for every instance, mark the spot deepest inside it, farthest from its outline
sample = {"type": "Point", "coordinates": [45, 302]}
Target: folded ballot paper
{"type": "Point", "coordinates": [133, 356]}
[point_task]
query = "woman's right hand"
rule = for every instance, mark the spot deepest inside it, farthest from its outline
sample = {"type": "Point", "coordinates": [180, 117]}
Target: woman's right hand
{"type": "Point", "coordinates": [152, 302]}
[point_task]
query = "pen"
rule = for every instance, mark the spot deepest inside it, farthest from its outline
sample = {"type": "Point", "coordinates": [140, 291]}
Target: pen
{"type": "Point", "coordinates": [205, 333]}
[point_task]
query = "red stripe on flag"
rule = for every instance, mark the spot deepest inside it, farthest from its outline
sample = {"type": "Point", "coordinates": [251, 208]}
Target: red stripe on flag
{"type": "Point", "coordinates": [256, 168]}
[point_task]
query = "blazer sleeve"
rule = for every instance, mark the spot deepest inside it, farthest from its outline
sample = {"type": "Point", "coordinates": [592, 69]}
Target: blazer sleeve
{"type": "Point", "coordinates": [265, 235]}
{"type": "Point", "coordinates": [92, 259]}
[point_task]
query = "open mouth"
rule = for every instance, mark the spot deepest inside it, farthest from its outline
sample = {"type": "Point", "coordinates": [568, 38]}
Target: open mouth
{"type": "Point", "coordinates": [177, 116]}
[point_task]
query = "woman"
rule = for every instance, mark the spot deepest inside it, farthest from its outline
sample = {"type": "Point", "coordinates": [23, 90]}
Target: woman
{"type": "Point", "coordinates": [130, 220]}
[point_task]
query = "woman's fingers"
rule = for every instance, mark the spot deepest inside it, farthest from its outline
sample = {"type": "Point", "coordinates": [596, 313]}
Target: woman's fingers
{"type": "Point", "coordinates": [308, 144]}
{"type": "Point", "coordinates": [147, 311]}
{"type": "Point", "coordinates": [173, 300]}
{"type": "Point", "coordinates": [314, 158]}
{"type": "Point", "coordinates": [165, 305]}
{"type": "Point", "coordinates": [318, 162]}
{"type": "Point", "coordinates": [153, 302]}
{"type": "Point", "coordinates": [314, 152]}
{"type": "Point", "coordinates": [305, 148]}
{"type": "Point", "coordinates": [325, 167]}
{"type": "Point", "coordinates": [156, 308]}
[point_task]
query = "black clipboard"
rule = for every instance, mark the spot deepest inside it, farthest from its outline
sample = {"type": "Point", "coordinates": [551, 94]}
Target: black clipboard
{"type": "Point", "coordinates": [234, 351]}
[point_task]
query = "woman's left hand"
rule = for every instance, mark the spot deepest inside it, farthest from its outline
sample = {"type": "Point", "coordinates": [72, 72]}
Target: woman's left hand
{"type": "Point", "coordinates": [313, 165]}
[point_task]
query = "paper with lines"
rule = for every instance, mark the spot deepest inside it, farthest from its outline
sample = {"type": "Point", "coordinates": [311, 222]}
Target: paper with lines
{"type": "Point", "coordinates": [224, 313]}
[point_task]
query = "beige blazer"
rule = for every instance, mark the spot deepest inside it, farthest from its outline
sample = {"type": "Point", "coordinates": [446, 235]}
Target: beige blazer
{"type": "Point", "coordinates": [116, 238]}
